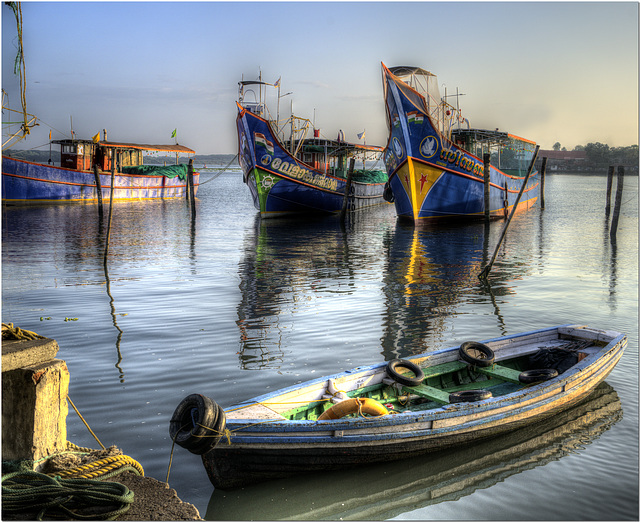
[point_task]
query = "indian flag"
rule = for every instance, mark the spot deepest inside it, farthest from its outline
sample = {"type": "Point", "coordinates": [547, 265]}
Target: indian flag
{"type": "Point", "coordinates": [396, 121]}
{"type": "Point", "coordinates": [261, 140]}
{"type": "Point", "coordinates": [415, 117]}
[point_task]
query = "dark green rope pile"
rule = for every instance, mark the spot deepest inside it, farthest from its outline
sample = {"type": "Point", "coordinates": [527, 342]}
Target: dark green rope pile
{"type": "Point", "coordinates": [55, 497]}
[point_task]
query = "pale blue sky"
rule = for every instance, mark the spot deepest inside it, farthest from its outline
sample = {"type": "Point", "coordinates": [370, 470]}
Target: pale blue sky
{"type": "Point", "coordinates": [550, 72]}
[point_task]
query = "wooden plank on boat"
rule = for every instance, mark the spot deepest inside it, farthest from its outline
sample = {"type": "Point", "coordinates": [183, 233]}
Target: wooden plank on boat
{"type": "Point", "coordinates": [441, 369]}
{"type": "Point", "coordinates": [501, 372]}
{"type": "Point", "coordinates": [429, 392]}
{"type": "Point", "coordinates": [254, 411]}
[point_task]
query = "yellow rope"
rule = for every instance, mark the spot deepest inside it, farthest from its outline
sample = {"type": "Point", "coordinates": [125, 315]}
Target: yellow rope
{"type": "Point", "coordinates": [85, 422]}
{"type": "Point", "coordinates": [100, 467]}
{"type": "Point", "coordinates": [14, 333]}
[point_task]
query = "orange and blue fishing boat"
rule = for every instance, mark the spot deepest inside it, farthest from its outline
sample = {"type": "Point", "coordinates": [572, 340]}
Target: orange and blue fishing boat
{"type": "Point", "coordinates": [435, 160]}
{"type": "Point", "coordinates": [87, 164]}
{"type": "Point", "coordinates": [300, 174]}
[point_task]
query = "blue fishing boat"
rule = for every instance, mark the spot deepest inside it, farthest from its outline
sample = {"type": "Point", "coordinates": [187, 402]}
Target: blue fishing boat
{"type": "Point", "coordinates": [85, 165]}
{"type": "Point", "coordinates": [301, 174]}
{"type": "Point", "coordinates": [400, 408]}
{"type": "Point", "coordinates": [435, 160]}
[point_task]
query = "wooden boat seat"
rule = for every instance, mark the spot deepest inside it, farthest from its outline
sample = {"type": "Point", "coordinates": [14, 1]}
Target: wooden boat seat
{"type": "Point", "coordinates": [441, 369]}
{"type": "Point", "coordinates": [428, 392]}
{"type": "Point", "coordinates": [501, 372]}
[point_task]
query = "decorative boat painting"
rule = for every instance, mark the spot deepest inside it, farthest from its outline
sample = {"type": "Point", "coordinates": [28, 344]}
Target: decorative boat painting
{"type": "Point", "coordinates": [301, 174]}
{"type": "Point", "coordinates": [435, 161]}
{"type": "Point", "coordinates": [400, 408]}
{"type": "Point", "coordinates": [85, 164]}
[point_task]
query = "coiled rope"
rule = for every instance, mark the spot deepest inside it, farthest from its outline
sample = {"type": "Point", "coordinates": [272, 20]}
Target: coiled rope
{"type": "Point", "coordinates": [63, 498]}
{"type": "Point", "coordinates": [14, 333]}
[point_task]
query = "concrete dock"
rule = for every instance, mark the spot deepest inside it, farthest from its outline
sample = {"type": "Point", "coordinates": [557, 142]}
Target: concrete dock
{"type": "Point", "coordinates": [34, 410]}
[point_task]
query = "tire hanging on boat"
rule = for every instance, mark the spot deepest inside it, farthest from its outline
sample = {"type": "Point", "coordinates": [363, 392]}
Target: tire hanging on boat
{"type": "Point", "coordinates": [469, 396]}
{"type": "Point", "coordinates": [357, 405]}
{"type": "Point", "coordinates": [539, 375]}
{"type": "Point", "coordinates": [197, 424]}
{"type": "Point", "coordinates": [405, 379]}
{"type": "Point", "coordinates": [477, 354]}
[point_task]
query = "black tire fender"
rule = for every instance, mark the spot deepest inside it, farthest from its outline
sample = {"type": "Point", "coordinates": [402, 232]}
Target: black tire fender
{"type": "Point", "coordinates": [193, 424]}
{"type": "Point", "coordinates": [539, 375]}
{"type": "Point", "coordinates": [469, 396]}
{"type": "Point", "coordinates": [477, 354]}
{"type": "Point", "coordinates": [404, 379]}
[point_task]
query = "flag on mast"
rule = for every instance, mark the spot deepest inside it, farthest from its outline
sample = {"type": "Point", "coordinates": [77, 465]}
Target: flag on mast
{"type": "Point", "coordinates": [173, 134]}
{"type": "Point", "coordinates": [361, 135]}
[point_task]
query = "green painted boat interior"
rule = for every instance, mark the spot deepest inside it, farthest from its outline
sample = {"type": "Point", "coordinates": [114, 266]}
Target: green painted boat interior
{"type": "Point", "coordinates": [433, 392]}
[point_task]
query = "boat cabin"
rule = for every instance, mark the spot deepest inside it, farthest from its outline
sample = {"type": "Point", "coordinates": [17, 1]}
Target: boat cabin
{"type": "Point", "coordinates": [84, 154]}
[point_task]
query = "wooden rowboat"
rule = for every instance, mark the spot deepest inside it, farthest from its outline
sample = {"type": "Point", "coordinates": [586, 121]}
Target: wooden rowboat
{"type": "Point", "coordinates": [398, 409]}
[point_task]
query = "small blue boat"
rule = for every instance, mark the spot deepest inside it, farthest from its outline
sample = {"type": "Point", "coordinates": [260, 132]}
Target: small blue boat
{"type": "Point", "coordinates": [400, 408]}
{"type": "Point", "coordinates": [435, 160]}
{"type": "Point", "coordinates": [301, 174]}
{"type": "Point", "coordinates": [26, 182]}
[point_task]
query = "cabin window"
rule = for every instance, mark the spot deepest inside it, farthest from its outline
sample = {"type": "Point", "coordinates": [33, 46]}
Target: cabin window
{"type": "Point", "coordinates": [69, 149]}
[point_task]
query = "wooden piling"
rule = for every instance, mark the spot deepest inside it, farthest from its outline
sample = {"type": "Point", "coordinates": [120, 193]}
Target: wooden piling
{"type": "Point", "coordinates": [487, 181]}
{"type": "Point", "coordinates": [543, 171]}
{"type": "Point", "coordinates": [607, 208]}
{"type": "Point", "coordinates": [190, 188]}
{"type": "Point", "coordinates": [347, 189]}
{"type": "Point", "coordinates": [98, 190]}
{"type": "Point", "coordinates": [618, 203]}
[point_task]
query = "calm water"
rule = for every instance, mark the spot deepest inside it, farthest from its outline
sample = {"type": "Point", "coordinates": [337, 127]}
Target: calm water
{"type": "Point", "coordinates": [231, 306]}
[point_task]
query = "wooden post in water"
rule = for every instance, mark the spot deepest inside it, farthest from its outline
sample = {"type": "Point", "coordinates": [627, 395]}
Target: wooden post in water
{"type": "Point", "coordinates": [347, 189]}
{"type": "Point", "coordinates": [113, 178]}
{"type": "Point", "coordinates": [616, 208]}
{"type": "Point", "coordinates": [543, 171]}
{"type": "Point", "coordinates": [487, 269]}
{"type": "Point", "coordinates": [98, 190]}
{"type": "Point", "coordinates": [487, 181]}
{"type": "Point", "coordinates": [607, 208]}
{"type": "Point", "coordinates": [190, 188]}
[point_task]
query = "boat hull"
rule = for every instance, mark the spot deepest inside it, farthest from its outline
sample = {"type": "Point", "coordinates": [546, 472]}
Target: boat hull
{"type": "Point", "coordinates": [261, 446]}
{"type": "Point", "coordinates": [25, 182]}
{"type": "Point", "coordinates": [432, 178]}
{"type": "Point", "coordinates": [282, 185]}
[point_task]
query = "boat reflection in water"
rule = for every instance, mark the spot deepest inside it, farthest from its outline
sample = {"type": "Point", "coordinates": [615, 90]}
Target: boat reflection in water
{"type": "Point", "coordinates": [387, 490]}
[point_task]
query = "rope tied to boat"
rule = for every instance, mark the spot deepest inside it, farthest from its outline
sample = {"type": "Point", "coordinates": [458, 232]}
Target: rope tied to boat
{"type": "Point", "coordinates": [219, 173]}
{"type": "Point", "coordinates": [15, 333]}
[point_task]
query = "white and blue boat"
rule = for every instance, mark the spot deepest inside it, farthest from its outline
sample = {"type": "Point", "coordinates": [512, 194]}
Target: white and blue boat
{"type": "Point", "coordinates": [85, 165]}
{"type": "Point", "coordinates": [400, 408]}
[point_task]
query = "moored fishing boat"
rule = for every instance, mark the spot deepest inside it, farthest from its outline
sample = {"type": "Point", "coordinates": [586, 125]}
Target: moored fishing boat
{"type": "Point", "coordinates": [87, 163]}
{"type": "Point", "coordinates": [301, 175]}
{"type": "Point", "coordinates": [435, 160]}
{"type": "Point", "coordinates": [394, 410]}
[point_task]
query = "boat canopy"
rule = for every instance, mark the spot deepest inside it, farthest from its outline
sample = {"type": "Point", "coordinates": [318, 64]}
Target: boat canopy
{"type": "Point", "coordinates": [136, 146]}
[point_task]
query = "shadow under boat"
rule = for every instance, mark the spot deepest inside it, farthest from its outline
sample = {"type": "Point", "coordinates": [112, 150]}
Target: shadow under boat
{"type": "Point", "coordinates": [384, 491]}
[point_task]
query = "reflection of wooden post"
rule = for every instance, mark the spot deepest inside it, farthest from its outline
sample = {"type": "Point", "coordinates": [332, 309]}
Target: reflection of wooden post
{"type": "Point", "coordinates": [98, 189]}
{"type": "Point", "coordinates": [347, 189]}
{"type": "Point", "coordinates": [616, 208]}
{"type": "Point", "coordinates": [190, 189]}
{"type": "Point", "coordinates": [607, 208]}
{"type": "Point", "coordinates": [487, 180]}
{"type": "Point", "coordinates": [543, 171]}
{"type": "Point", "coordinates": [113, 177]}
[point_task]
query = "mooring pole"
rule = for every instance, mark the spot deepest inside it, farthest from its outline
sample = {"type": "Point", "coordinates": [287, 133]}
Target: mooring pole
{"type": "Point", "coordinates": [113, 177]}
{"type": "Point", "coordinates": [487, 269]}
{"type": "Point", "coordinates": [190, 188]}
{"type": "Point", "coordinates": [487, 181]}
{"type": "Point", "coordinates": [347, 189]}
{"type": "Point", "coordinates": [543, 171]}
{"type": "Point", "coordinates": [607, 208]}
{"type": "Point", "coordinates": [616, 208]}
{"type": "Point", "coordinates": [98, 190]}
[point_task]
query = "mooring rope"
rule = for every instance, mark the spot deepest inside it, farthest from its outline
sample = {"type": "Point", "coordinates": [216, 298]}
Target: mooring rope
{"type": "Point", "coordinates": [28, 491]}
{"type": "Point", "coordinates": [14, 333]}
{"type": "Point", "coordinates": [219, 173]}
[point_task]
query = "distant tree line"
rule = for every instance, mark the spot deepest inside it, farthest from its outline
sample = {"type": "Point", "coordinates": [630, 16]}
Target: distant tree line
{"type": "Point", "coordinates": [601, 155]}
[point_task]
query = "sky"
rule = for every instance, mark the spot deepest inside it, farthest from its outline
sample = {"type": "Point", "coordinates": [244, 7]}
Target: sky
{"type": "Point", "coordinates": [551, 72]}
